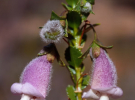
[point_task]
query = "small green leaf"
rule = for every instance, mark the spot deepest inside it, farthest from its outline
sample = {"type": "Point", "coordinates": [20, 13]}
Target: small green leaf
{"type": "Point", "coordinates": [67, 7]}
{"type": "Point", "coordinates": [83, 87]}
{"type": "Point", "coordinates": [66, 29]}
{"type": "Point", "coordinates": [78, 6]}
{"type": "Point", "coordinates": [83, 69]}
{"type": "Point", "coordinates": [71, 55]}
{"type": "Point", "coordinates": [83, 2]}
{"type": "Point", "coordinates": [91, 1]}
{"type": "Point", "coordinates": [85, 81]}
{"type": "Point", "coordinates": [70, 92]}
{"type": "Point", "coordinates": [84, 16]}
{"type": "Point", "coordinates": [71, 70]}
{"type": "Point", "coordinates": [72, 3]}
{"type": "Point", "coordinates": [56, 17]}
{"type": "Point", "coordinates": [74, 19]}
{"type": "Point", "coordinates": [92, 12]}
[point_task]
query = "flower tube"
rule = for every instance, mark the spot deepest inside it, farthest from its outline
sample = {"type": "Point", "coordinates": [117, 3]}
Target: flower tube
{"type": "Point", "coordinates": [104, 78]}
{"type": "Point", "coordinates": [35, 80]}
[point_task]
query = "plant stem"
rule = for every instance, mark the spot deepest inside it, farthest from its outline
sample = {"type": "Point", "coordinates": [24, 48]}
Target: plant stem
{"type": "Point", "coordinates": [78, 75]}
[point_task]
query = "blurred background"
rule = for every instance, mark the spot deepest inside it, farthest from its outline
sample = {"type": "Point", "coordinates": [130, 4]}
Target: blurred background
{"type": "Point", "coordinates": [20, 42]}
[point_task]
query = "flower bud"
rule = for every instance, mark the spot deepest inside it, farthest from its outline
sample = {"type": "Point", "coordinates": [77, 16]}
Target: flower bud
{"type": "Point", "coordinates": [52, 31]}
{"type": "Point", "coordinates": [35, 80]}
{"type": "Point", "coordinates": [86, 8]}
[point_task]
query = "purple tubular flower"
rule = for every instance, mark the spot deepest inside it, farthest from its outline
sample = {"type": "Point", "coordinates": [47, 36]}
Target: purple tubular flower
{"type": "Point", "coordinates": [104, 78]}
{"type": "Point", "coordinates": [35, 80]}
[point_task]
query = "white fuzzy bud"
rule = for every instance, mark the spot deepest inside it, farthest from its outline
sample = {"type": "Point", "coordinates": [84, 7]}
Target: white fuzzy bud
{"type": "Point", "coordinates": [52, 31]}
{"type": "Point", "coordinates": [86, 8]}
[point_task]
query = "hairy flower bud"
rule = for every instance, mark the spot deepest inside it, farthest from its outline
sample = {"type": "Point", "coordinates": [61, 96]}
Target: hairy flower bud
{"type": "Point", "coordinates": [86, 8]}
{"type": "Point", "coordinates": [52, 31]}
{"type": "Point", "coordinates": [104, 78]}
{"type": "Point", "coordinates": [35, 80]}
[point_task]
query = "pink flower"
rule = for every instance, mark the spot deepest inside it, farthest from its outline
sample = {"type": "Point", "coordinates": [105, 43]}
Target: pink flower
{"type": "Point", "coordinates": [35, 80]}
{"type": "Point", "coordinates": [104, 78]}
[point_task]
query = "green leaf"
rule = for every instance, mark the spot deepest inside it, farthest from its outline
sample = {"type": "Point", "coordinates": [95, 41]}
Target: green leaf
{"type": "Point", "coordinates": [56, 17]}
{"type": "Point", "coordinates": [91, 1]}
{"type": "Point", "coordinates": [83, 2]}
{"type": "Point", "coordinates": [83, 69]}
{"type": "Point", "coordinates": [66, 29]}
{"type": "Point", "coordinates": [67, 7]}
{"type": "Point", "coordinates": [74, 19]}
{"type": "Point", "coordinates": [72, 3]}
{"type": "Point", "coordinates": [84, 16]}
{"type": "Point", "coordinates": [71, 55]}
{"type": "Point", "coordinates": [70, 92]}
{"type": "Point", "coordinates": [72, 70]}
{"type": "Point", "coordinates": [83, 87]}
{"type": "Point", "coordinates": [85, 81]}
{"type": "Point", "coordinates": [92, 12]}
{"type": "Point", "coordinates": [78, 6]}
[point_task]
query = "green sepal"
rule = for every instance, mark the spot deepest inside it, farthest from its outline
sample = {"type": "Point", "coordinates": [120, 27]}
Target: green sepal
{"type": "Point", "coordinates": [102, 46]}
{"type": "Point", "coordinates": [50, 48]}
{"type": "Point", "coordinates": [70, 92]}
{"type": "Point", "coordinates": [61, 63]}
{"type": "Point", "coordinates": [89, 28]}
{"type": "Point", "coordinates": [85, 53]}
{"type": "Point", "coordinates": [56, 17]}
{"type": "Point", "coordinates": [41, 54]}
{"type": "Point", "coordinates": [72, 3]}
{"type": "Point", "coordinates": [71, 55]}
{"type": "Point", "coordinates": [40, 27]}
{"type": "Point", "coordinates": [67, 7]}
{"type": "Point", "coordinates": [74, 19]}
{"type": "Point", "coordinates": [85, 81]}
{"type": "Point", "coordinates": [92, 12]}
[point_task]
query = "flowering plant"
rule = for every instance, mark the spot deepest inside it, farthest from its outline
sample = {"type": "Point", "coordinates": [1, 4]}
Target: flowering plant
{"type": "Point", "coordinates": [35, 79]}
